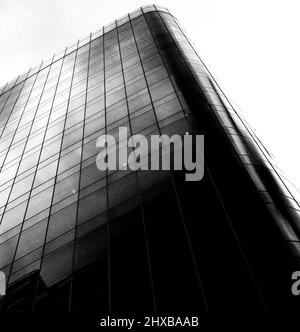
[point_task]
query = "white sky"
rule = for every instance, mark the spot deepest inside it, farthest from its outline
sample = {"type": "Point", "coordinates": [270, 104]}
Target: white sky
{"type": "Point", "coordinates": [251, 46]}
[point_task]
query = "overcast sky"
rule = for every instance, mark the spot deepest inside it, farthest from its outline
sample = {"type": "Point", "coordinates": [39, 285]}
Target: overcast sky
{"type": "Point", "coordinates": [251, 46]}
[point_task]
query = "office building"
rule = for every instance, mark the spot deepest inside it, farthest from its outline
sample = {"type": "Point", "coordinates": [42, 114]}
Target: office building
{"type": "Point", "coordinates": [73, 238]}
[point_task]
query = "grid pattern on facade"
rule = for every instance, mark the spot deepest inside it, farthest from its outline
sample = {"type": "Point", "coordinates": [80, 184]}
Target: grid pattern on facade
{"type": "Point", "coordinates": [52, 194]}
{"type": "Point", "coordinates": [82, 238]}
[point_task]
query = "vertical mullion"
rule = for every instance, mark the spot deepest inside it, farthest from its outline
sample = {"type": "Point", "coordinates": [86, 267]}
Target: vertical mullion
{"type": "Point", "coordinates": [80, 174]}
{"type": "Point", "coordinates": [106, 177]}
{"type": "Point", "coordinates": [138, 183]}
{"type": "Point", "coordinates": [144, 73]}
{"type": "Point", "coordinates": [1, 94]}
{"type": "Point", "coordinates": [166, 68]}
{"type": "Point", "coordinates": [56, 175]}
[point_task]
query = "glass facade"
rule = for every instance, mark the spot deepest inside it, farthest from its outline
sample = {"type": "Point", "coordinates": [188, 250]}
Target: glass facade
{"type": "Point", "coordinates": [73, 238]}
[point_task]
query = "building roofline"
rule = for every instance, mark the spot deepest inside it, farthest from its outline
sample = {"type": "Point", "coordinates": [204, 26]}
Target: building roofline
{"type": "Point", "coordinates": [80, 43]}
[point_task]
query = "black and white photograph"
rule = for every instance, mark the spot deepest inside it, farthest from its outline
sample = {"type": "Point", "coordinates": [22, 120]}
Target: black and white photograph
{"type": "Point", "coordinates": [149, 160]}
